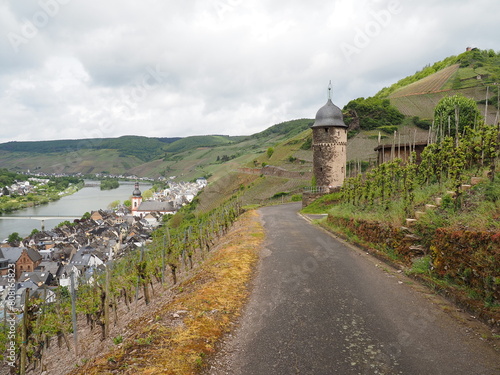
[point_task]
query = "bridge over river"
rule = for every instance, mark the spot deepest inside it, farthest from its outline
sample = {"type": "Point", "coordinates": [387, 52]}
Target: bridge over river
{"type": "Point", "coordinates": [92, 184]}
{"type": "Point", "coordinates": [69, 207]}
{"type": "Point", "coordinates": [40, 218]}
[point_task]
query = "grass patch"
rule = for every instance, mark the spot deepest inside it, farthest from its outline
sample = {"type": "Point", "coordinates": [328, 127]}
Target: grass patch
{"type": "Point", "coordinates": [323, 204]}
{"type": "Point", "coordinates": [249, 207]}
{"type": "Point", "coordinates": [212, 299]}
{"type": "Point", "coordinates": [420, 266]}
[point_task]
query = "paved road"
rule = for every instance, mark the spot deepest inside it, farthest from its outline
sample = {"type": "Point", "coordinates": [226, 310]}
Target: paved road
{"type": "Point", "coordinates": [321, 307]}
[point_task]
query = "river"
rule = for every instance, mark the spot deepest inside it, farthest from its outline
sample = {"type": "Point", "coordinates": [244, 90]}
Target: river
{"type": "Point", "coordinates": [85, 200]}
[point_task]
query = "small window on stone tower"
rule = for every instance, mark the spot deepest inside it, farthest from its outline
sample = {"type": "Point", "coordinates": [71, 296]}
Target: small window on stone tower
{"type": "Point", "coordinates": [326, 130]}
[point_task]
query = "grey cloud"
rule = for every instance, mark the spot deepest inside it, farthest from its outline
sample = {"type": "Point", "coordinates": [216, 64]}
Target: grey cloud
{"type": "Point", "coordinates": [221, 66]}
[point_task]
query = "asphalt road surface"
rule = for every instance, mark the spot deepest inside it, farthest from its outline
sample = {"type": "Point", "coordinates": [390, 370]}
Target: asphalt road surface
{"type": "Point", "coordinates": [320, 306]}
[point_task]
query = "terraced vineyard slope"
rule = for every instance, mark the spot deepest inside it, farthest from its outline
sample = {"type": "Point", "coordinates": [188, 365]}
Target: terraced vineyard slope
{"type": "Point", "coordinates": [474, 74]}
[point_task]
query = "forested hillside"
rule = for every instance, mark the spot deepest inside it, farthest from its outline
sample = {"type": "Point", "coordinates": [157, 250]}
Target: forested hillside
{"type": "Point", "coordinates": [144, 148]}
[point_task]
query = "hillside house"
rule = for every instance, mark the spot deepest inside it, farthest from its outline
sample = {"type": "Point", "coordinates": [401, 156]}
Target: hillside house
{"type": "Point", "coordinates": [389, 152]}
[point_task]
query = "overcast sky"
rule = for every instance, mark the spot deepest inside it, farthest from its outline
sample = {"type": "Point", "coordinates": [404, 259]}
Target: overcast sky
{"type": "Point", "coordinates": [163, 68]}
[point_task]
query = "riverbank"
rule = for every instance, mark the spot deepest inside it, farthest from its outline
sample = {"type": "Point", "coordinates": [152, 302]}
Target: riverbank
{"type": "Point", "coordinates": [71, 203]}
{"type": "Point", "coordinates": [9, 203]}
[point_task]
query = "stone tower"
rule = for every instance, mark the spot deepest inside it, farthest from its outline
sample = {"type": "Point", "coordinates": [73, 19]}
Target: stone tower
{"type": "Point", "coordinates": [136, 198]}
{"type": "Point", "coordinates": [329, 145]}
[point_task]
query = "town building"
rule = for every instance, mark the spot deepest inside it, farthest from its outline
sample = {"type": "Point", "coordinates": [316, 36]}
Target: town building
{"type": "Point", "coordinates": [136, 199]}
{"type": "Point", "coordinates": [147, 207]}
{"type": "Point", "coordinates": [142, 208]}
{"type": "Point", "coordinates": [25, 259]}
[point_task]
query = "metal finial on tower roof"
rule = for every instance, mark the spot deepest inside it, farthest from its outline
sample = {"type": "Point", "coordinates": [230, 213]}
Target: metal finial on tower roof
{"type": "Point", "coordinates": [330, 90]}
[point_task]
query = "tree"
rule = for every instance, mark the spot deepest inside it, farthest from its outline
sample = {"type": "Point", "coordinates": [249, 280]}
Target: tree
{"type": "Point", "coordinates": [270, 152]}
{"type": "Point", "coordinates": [63, 224]}
{"type": "Point", "coordinates": [109, 183]}
{"type": "Point", "coordinates": [455, 112]}
{"type": "Point", "coordinates": [374, 112]}
{"type": "Point", "coordinates": [148, 194]}
{"type": "Point", "coordinates": [114, 204]}
{"type": "Point", "coordinates": [14, 239]}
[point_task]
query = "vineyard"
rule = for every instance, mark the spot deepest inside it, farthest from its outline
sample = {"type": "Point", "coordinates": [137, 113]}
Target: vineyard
{"type": "Point", "coordinates": [474, 74]}
{"type": "Point", "coordinates": [121, 282]}
{"type": "Point", "coordinates": [423, 105]}
{"type": "Point", "coordinates": [429, 84]}
{"type": "Point", "coordinates": [446, 163]}
{"type": "Point", "coordinates": [429, 217]}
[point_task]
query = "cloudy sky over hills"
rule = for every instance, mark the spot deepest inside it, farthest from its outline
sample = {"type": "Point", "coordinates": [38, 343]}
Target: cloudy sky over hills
{"type": "Point", "coordinates": [85, 69]}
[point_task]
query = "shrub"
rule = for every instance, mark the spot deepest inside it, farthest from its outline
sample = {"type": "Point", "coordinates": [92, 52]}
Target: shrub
{"type": "Point", "coordinates": [492, 191]}
{"type": "Point", "coordinates": [118, 340]}
{"type": "Point", "coordinates": [280, 194]}
{"type": "Point", "coordinates": [307, 144]}
{"type": "Point", "coordinates": [421, 123]}
{"type": "Point", "coordinates": [389, 129]}
{"type": "Point", "coordinates": [375, 112]}
{"type": "Point", "coordinates": [270, 152]}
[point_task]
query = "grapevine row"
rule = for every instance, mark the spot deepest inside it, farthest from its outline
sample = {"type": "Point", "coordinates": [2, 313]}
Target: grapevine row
{"type": "Point", "coordinates": [446, 160]}
{"type": "Point", "coordinates": [122, 281]}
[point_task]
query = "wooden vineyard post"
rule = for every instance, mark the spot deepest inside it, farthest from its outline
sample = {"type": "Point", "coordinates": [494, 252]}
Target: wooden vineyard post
{"type": "Point", "coordinates": [163, 259]}
{"type": "Point", "coordinates": [24, 334]}
{"type": "Point", "coordinates": [183, 251]}
{"type": "Point", "coordinates": [201, 241]}
{"type": "Point", "coordinates": [106, 302]}
{"type": "Point", "coordinates": [73, 310]}
{"type": "Point", "coordinates": [138, 278]}
{"type": "Point", "coordinates": [189, 244]}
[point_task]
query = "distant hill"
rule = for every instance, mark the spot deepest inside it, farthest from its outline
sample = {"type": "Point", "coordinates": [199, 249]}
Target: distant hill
{"type": "Point", "coordinates": [471, 73]}
{"type": "Point", "coordinates": [144, 148]}
{"type": "Point", "coordinates": [186, 158]}
{"type": "Point", "coordinates": [286, 129]}
{"type": "Point", "coordinates": [187, 143]}
{"type": "Point", "coordinates": [474, 73]}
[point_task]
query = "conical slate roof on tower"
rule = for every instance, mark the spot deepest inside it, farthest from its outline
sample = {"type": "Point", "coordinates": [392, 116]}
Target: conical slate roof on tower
{"type": "Point", "coordinates": [329, 115]}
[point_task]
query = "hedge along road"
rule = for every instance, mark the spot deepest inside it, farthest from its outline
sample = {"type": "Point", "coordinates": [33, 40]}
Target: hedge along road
{"type": "Point", "coordinates": [319, 306]}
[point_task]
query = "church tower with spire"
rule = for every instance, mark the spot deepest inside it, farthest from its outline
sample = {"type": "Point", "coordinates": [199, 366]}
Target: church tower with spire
{"type": "Point", "coordinates": [136, 198]}
{"type": "Point", "coordinates": [329, 143]}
